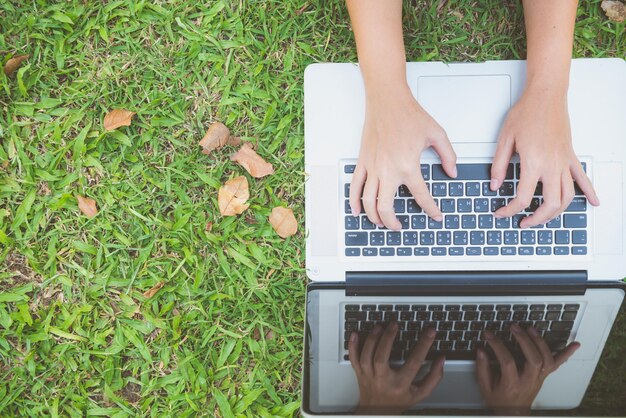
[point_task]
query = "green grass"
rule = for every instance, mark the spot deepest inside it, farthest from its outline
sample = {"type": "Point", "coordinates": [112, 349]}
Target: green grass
{"type": "Point", "coordinates": [224, 335]}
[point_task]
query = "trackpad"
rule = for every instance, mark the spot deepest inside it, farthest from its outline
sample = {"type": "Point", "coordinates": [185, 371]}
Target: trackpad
{"type": "Point", "coordinates": [470, 108]}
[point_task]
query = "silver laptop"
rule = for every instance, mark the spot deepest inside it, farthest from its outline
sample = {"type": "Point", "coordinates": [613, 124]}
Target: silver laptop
{"type": "Point", "coordinates": [470, 272]}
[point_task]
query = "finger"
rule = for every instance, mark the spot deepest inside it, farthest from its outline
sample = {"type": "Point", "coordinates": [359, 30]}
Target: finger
{"type": "Point", "coordinates": [508, 368]}
{"type": "Point", "coordinates": [584, 183]}
{"type": "Point", "coordinates": [501, 160]}
{"type": "Point", "coordinates": [422, 196]}
{"type": "Point", "coordinates": [534, 361]}
{"type": "Point", "coordinates": [367, 354]}
{"type": "Point", "coordinates": [383, 351]}
{"type": "Point", "coordinates": [356, 189]}
{"type": "Point", "coordinates": [550, 205]}
{"type": "Point", "coordinates": [483, 372]}
{"type": "Point", "coordinates": [565, 354]}
{"type": "Point", "coordinates": [386, 195]}
{"type": "Point", "coordinates": [543, 348]}
{"type": "Point", "coordinates": [417, 355]}
{"type": "Point", "coordinates": [427, 385]}
{"type": "Point", "coordinates": [525, 190]}
{"type": "Point", "coordinates": [353, 352]}
{"type": "Point", "coordinates": [370, 200]}
{"type": "Point", "coordinates": [441, 144]}
{"type": "Point", "coordinates": [567, 192]}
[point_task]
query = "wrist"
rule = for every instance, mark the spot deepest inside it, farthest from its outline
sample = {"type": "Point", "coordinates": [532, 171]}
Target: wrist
{"type": "Point", "coordinates": [554, 86]}
{"type": "Point", "coordinates": [387, 90]}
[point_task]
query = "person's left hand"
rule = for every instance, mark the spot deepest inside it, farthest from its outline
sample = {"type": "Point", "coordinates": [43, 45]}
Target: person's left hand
{"type": "Point", "coordinates": [538, 128]}
{"type": "Point", "coordinates": [384, 390]}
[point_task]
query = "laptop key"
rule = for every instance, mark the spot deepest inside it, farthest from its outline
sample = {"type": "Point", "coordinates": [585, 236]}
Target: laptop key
{"type": "Point", "coordinates": [349, 168]}
{"type": "Point", "coordinates": [403, 191]}
{"type": "Point", "coordinates": [387, 252]}
{"type": "Point", "coordinates": [432, 224]}
{"type": "Point", "coordinates": [346, 190]}
{"type": "Point", "coordinates": [443, 238]}
{"type": "Point", "coordinates": [412, 206]}
{"type": "Point", "coordinates": [460, 237]}
{"type": "Point", "coordinates": [477, 238]}
{"type": "Point", "coordinates": [510, 237]}
{"type": "Point", "coordinates": [452, 221]}
{"type": "Point", "coordinates": [439, 189]}
{"type": "Point", "coordinates": [579, 250]}
{"type": "Point", "coordinates": [351, 222]}
{"type": "Point", "coordinates": [399, 205]}
{"type": "Point", "coordinates": [465, 172]}
{"type": "Point", "coordinates": [377, 238]}
{"type": "Point", "coordinates": [420, 251]}
{"type": "Point", "coordinates": [404, 251]}
{"type": "Point", "coordinates": [561, 237]}
{"type": "Point", "coordinates": [455, 251]}
{"type": "Point", "coordinates": [356, 238]}
{"type": "Point", "coordinates": [409, 238]}
{"type": "Point", "coordinates": [485, 221]}
{"type": "Point", "coordinates": [370, 252]}
{"type": "Point", "coordinates": [571, 307]}
{"type": "Point", "coordinates": [455, 189]}
{"type": "Point", "coordinates": [574, 221]}
{"type": "Point", "coordinates": [506, 189]}
{"type": "Point", "coordinates": [544, 250]}
{"type": "Point", "coordinates": [404, 221]}
{"type": "Point", "coordinates": [515, 220]}
{"type": "Point", "coordinates": [418, 222]}
{"type": "Point", "coordinates": [528, 237]}
{"type": "Point", "coordinates": [579, 237]}
{"type": "Point", "coordinates": [494, 238]}
{"type": "Point", "coordinates": [487, 189]}
{"type": "Point", "coordinates": [568, 316]}
{"type": "Point", "coordinates": [578, 204]}
{"type": "Point", "coordinates": [472, 251]}
{"type": "Point", "coordinates": [497, 203]}
{"type": "Point", "coordinates": [464, 205]}
{"type": "Point", "coordinates": [562, 326]}
{"type": "Point", "coordinates": [481, 205]}
{"type": "Point", "coordinates": [468, 221]}
{"type": "Point", "coordinates": [503, 223]}
{"type": "Point", "coordinates": [447, 205]}
{"type": "Point", "coordinates": [353, 252]}
{"type": "Point", "coordinates": [425, 168]}
{"type": "Point", "coordinates": [438, 251]}
{"type": "Point", "coordinates": [544, 237]}
{"type": "Point", "coordinates": [525, 250]}
{"type": "Point", "coordinates": [427, 238]}
{"type": "Point", "coordinates": [561, 250]}
{"type": "Point", "coordinates": [554, 223]}
{"type": "Point", "coordinates": [472, 188]}
{"type": "Point", "coordinates": [346, 207]}
{"type": "Point", "coordinates": [366, 223]}
{"type": "Point", "coordinates": [490, 251]}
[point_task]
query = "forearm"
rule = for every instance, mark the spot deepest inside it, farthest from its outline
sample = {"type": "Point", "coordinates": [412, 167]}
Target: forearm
{"type": "Point", "coordinates": [377, 27]}
{"type": "Point", "coordinates": [550, 33]}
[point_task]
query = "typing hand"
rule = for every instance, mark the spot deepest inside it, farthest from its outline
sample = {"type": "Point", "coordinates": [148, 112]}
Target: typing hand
{"type": "Point", "coordinates": [386, 390]}
{"type": "Point", "coordinates": [538, 128]}
{"type": "Point", "coordinates": [513, 391]}
{"type": "Point", "coordinates": [396, 131]}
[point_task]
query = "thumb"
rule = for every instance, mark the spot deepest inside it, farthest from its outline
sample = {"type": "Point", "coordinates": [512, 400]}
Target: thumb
{"type": "Point", "coordinates": [441, 144]}
{"type": "Point", "coordinates": [501, 160]}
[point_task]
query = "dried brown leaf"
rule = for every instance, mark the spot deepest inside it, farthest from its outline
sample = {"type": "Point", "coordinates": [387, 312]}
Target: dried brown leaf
{"type": "Point", "coordinates": [283, 222]}
{"type": "Point", "coordinates": [233, 195]}
{"type": "Point", "coordinates": [87, 206]}
{"type": "Point", "coordinates": [14, 63]}
{"type": "Point", "coordinates": [116, 118]}
{"type": "Point", "coordinates": [615, 10]}
{"type": "Point", "coordinates": [216, 137]}
{"type": "Point", "coordinates": [252, 162]}
{"type": "Point", "coordinates": [153, 290]}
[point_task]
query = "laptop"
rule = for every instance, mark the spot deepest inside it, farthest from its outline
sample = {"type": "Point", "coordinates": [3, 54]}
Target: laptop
{"type": "Point", "coordinates": [470, 272]}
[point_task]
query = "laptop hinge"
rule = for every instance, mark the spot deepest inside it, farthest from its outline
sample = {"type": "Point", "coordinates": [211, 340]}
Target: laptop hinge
{"type": "Point", "coordinates": [464, 283]}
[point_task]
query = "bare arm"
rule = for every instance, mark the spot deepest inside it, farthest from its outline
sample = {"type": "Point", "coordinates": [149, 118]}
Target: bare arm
{"type": "Point", "coordinates": [396, 129]}
{"type": "Point", "coordinates": [538, 127]}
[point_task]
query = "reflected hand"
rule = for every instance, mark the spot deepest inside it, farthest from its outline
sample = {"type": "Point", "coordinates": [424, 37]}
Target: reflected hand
{"type": "Point", "coordinates": [386, 390]}
{"type": "Point", "coordinates": [538, 128]}
{"type": "Point", "coordinates": [513, 392]}
{"type": "Point", "coordinates": [396, 131]}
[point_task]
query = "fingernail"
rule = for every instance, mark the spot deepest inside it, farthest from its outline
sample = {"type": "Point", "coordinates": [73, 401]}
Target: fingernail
{"type": "Point", "coordinates": [488, 335]}
{"type": "Point", "coordinates": [354, 213]}
{"type": "Point", "coordinates": [376, 330]}
{"type": "Point", "coordinates": [498, 216]}
{"type": "Point", "coordinates": [354, 336]}
{"type": "Point", "coordinates": [515, 328]}
{"type": "Point", "coordinates": [480, 354]}
{"type": "Point", "coordinates": [380, 225]}
{"type": "Point", "coordinates": [455, 172]}
{"type": "Point", "coordinates": [533, 332]}
{"type": "Point", "coordinates": [495, 183]}
{"type": "Point", "coordinates": [431, 333]}
{"type": "Point", "coordinates": [439, 218]}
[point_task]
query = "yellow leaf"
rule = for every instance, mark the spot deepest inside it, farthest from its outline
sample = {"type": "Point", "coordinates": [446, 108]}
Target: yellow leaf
{"type": "Point", "coordinates": [87, 206]}
{"type": "Point", "coordinates": [153, 290]}
{"type": "Point", "coordinates": [252, 162]}
{"type": "Point", "coordinates": [233, 195]}
{"type": "Point", "coordinates": [14, 63]}
{"type": "Point", "coordinates": [283, 222]}
{"type": "Point", "coordinates": [116, 118]}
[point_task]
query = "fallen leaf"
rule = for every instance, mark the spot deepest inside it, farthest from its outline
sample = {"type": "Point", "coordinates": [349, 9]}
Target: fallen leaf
{"type": "Point", "coordinates": [116, 118]}
{"type": "Point", "coordinates": [87, 206]}
{"type": "Point", "coordinates": [233, 195]}
{"type": "Point", "coordinates": [256, 334]}
{"type": "Point", "coordinates": [615, 10]}
{"type": "Point", "coordinates": [208, 227]}
{"type": "Point", "coordinates": [152, 291]}
{"type": "Point", "coordinates": [252, 162]}
{"type": "Point", "coordinates": [14, 63]}
{"type": "Point", "coordinates": [216, 137]}
{"type": "Point", "coordinates": [283, 221]}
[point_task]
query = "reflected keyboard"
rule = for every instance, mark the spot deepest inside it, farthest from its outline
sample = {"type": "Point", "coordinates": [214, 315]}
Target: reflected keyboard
{"type": "Point", "coordinates": [468, 227]}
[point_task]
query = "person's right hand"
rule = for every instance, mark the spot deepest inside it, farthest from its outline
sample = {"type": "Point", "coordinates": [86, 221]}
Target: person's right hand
{"type": "Point", "coordinates": [382, 389]}
{"type": "Point", "coordinates": [513, 392]}
{"type": "Point", "coordinates": [396, 131]}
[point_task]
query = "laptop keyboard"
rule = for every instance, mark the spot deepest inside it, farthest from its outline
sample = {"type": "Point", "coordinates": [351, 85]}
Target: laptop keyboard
{"type": "Point", "coordinates": [468, 227]}
{"type": "Point", "coordinates": [460, 327]}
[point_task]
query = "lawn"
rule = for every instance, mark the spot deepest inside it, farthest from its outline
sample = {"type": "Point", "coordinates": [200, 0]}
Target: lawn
{"type": "Point", "coordinates": [223, 336]}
